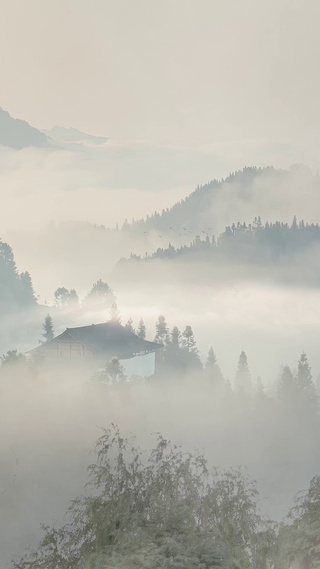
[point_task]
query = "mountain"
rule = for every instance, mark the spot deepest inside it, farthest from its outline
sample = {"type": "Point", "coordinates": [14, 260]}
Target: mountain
{"type": "Point", "coordinates": [18, 134]}
{"type": "Point", "coordinates": [66, 135]}
{"type": "Point", "coordinates": [243, 195]}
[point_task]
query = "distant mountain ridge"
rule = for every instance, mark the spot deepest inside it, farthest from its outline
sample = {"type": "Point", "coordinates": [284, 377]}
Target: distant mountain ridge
{"type": "Point", "coordinates": [62, 134]}
{"type": "Point", "coordinates": [212, 206]}
{"type": "Point", "coordinates": [16, 133]}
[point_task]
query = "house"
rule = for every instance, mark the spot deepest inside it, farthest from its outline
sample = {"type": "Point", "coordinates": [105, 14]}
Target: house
{"type": "Point", "coordinates": [90, 347]}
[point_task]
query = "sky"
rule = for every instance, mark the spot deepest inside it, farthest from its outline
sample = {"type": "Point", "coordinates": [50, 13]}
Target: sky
{"type": "Point", "coordinates": [191, 71]}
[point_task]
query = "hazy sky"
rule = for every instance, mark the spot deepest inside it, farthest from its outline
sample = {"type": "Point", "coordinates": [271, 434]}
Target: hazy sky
{"type": "Point", "coordinates": [168, 70]}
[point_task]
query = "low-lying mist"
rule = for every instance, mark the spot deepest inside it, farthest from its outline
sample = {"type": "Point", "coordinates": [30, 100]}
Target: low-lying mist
{"type": "Point", "coordinates": [49, 425]}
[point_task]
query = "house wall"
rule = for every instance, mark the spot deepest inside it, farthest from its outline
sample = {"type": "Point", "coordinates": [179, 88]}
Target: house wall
{"type": "Point", "coordinates": [66, 350]}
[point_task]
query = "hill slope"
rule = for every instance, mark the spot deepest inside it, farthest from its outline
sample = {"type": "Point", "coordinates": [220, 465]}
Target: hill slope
{"type": "Point", "coordinates": [243, 195]}
{"type": "Point", "coordinates": [18, 134]}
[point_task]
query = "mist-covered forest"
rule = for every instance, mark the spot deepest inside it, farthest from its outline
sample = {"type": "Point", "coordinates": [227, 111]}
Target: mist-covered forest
{"type": "Point", "coordinates": [159, 285]}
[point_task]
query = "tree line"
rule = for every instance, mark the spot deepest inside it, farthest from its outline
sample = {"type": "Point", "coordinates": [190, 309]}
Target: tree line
{"type": "Point", "coordinates": [16, 289]}
{"type": "Point", "coordinates": [246, 243]}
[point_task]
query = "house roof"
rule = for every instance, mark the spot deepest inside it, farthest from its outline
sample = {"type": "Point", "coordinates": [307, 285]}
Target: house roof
{"type": "Point", "coordinates": [109, 337]}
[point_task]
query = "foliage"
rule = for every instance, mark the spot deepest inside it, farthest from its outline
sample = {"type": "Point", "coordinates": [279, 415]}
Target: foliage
{"type": "Point", "coordinates": [112, 373]}
{"type": "Point", "coordinates": [243, 376]}
{"type": "Point", "coordinates": [100, 296]}
{"type": "Point", "coordinates": [158, 509]}
{"type": "Point", "coordinates": [141, 332]}
{"type": "Point", "coordinates": [16, 290]}
{"type": "Point", "coordinates": [161, 330]}
{"type": "Point", "coordinates": [129, 326]}
{"type": "Point", "coordinates": [12, 358]}
{"type": "Point", "coordinates": [299, 542]}
{"type": "Point", "coordinates": [48, 332]}
{"type": "Point", "coordinates": [64, 297]}
{"type": "Point", "coordinates": [212, 369]}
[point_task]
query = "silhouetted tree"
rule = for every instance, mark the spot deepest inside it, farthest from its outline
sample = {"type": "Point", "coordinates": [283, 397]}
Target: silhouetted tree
{"type": "Point", "coordinates": [287, 389]}
{"type": "Point", "coordinates": [305, 386]}
{"type": "Point", "coordinates": [161, 330]}
{"type": "Point", "coordinates": [213, 371]}
{"type": "Point", "coordinates": [100, 296]}
{"type": "Point", "coordinates": [243, 376]}
{"type": "Point", "coordinates": [188, 340]}
{"type": "Point", "coordinates": [48, 333]}
{"type": "Point", "coordinates": [141, 330]}
{"type": "Point", "coordinates": [129, 326]}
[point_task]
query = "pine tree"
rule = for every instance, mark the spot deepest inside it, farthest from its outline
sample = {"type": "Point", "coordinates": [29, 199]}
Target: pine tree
{"type": "Point", "coordinates": [211, 359]}
{"type": "Point", "coordinates": [213, 371]}
{"type": "Point", "coordinates": [176, 338]}
{"type": "Point", "coordinates": [305, 386]}
{"type": "Point", "coordinates": [161, 331]}
{"type": "Point", "coordinates": [48, 333]}
{"type": "Point", "coordinates": [129, 326]}
{"type": "Point", "coordinates": [287, 389]}
{"type": "Point", "coordinates": [141, 330]}
{"type": "Point", "coordinates": [27, 293]}
{"type": "Point", "coordinates": [243, 376]}
{"type": "Point", "coordinates": [188, 340]}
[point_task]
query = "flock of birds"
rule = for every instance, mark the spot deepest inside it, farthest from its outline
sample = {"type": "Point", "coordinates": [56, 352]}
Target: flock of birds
{"type": "Point", "coordinates": [187, 232]}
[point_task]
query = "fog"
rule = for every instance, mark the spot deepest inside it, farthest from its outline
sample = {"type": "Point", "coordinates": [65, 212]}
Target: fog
{"type": "Point", "coordinates": [175, 186]}
{"type": "Point", "coordinates": [48, 430]}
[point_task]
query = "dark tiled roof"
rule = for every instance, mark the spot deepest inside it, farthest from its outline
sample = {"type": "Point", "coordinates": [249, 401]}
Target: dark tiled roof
{"type": "Point", "coordinates": [109, 337]}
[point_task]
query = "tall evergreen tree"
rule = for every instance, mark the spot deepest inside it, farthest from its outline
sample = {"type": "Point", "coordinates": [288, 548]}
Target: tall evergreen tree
{"type": "Point", "coordinates": [243, 376]}
{"type": "Point", "coordinates": [211, 359]}
{"type": "Point", "coordinates": [188, 340]}
{"type": "Point", "coordinates": [129, 326]}
{"type": "Point", "coordinates": [287, 389]}
{"type": "Point", "coordinates": [213, 371]}
{"type": "Point", "coordinates": [306, 388]}
{"type": "Point", "coordinates": [161, 330]}
{"type": "Point", "coordinates": [27, 293]}
{"type": "Point", "coordinates": [48, 332]}
{"type": "Point", "coordinates": [141, 330]}
{"type": "Point", "coordinates": [176, 338]}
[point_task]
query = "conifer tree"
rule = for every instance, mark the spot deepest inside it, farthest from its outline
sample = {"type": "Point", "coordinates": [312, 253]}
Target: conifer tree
{"type": "Point", "coordinates": [211, 359]}
{"type": "Point", "coordinates": [48, 333]}
{"type": "Point", "coordinates": [141, 330]}
{"type": "Point", "coordinates": [213, 371]}
{"type": "Point", "coordinates": [287, 389]}
{"type": "Point", "coordinates": [161, 330]}
{"type": "Point", "coordinates": [176, 338]}
{"type": "Point", "coordinates": [243, 376]}
{"type": "Point", "coordinates": [188, 340]}
{"type": "Point", "coordinates": [305, 386]}
{"type": "Point", "coordinates": [129, 326]}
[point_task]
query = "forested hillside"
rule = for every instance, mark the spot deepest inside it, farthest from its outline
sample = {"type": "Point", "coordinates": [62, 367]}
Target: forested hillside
{"type": "Point", "coordinates": [16, 290]}
{"type": "Point", "coordinates": [211, 204]}
{"type": "Point", "coordinates": [270, 247]}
